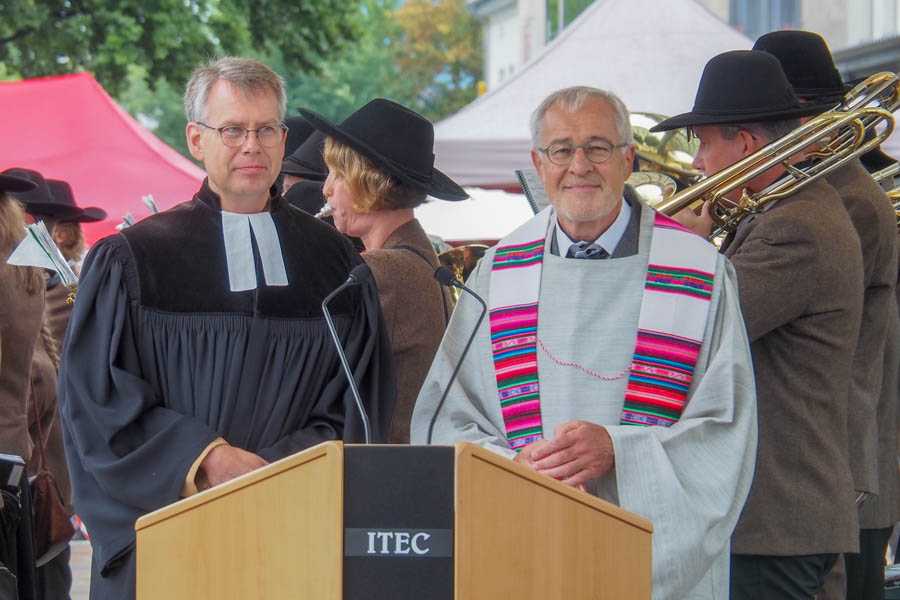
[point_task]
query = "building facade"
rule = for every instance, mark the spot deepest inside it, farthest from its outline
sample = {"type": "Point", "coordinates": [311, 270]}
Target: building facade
{"type": "Point", "coordinates": [863, 34]}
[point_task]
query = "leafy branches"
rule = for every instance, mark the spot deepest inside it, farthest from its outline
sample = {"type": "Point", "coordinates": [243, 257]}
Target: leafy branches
{"type": "Point", "coordinates": [167, 38]}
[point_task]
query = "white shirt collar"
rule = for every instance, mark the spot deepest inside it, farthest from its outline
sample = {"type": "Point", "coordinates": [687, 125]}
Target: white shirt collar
{"type": "Point", "coordinates": [608, 240]}
{"type": "Point", "coordinates": [236, 228]}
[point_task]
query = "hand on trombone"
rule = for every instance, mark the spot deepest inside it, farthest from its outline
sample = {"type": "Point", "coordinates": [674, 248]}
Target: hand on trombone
{"type": "Point", "coordinates": [701, 224]}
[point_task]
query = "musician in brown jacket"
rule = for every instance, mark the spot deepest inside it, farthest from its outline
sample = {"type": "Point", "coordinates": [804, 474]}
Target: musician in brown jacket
{"type": "Point", "coordinates": [800, 274]}
{"type": "Point", "coordinates": [809, 67]}
{"type": "Point", "coordinates": [380, 168]}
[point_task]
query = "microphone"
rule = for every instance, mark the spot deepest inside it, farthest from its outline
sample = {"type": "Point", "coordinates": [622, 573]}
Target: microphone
{"type": "Point", "coordinates": [445, 277]}
{"type": "Point", "coordinates": [361, 273]}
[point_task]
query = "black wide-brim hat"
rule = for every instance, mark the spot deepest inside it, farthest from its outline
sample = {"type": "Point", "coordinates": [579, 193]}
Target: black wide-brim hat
{"type": "Point", "coordinates": [39, 199]}
{"type": "Point", "coordinates": [307, 161]}
{"type": "Point", "coordinates": [397, 140]}
{"type": "Point", "coordinates": [740, 86]}
{"type": "Point", "coordinates": [11, 183]}
{"type": "Point", "coordinates": [307, 196]}
{"type": "Point", "coordinates": [299, 131]}
{"type": "Point", "coordinates": [807, 64]}
{"type": "Point", "coordinates": [62, 194]}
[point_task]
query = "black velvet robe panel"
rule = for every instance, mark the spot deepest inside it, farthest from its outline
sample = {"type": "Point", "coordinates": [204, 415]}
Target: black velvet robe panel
{"type": "Point", "coordinates": [161, 359]}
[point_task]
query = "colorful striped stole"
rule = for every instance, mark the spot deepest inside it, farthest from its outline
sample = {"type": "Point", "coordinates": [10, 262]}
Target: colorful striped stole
{"type": "Point", "coordinates": [674, 312]}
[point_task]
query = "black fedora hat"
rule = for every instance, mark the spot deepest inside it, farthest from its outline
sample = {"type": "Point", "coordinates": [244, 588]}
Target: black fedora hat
{"type": "Point", "coordinates": [307, 196]}
{"type": "Point", "coordinates": [11, 183]}
{"type": "Point", "coordinates": [299, 131]}
{"type": "Point", "coordinates": [62, 193]}
{"type": "Point", "coordinates": [306, 161]}
{"type": "Point", "coordinates": [740, 86]}
{"type": "Point", "coordinates": [40, 199]}
{"type": "Point", "coordinates": [807, 64]}
{"type": "Point", "coordinates": [397, 140]}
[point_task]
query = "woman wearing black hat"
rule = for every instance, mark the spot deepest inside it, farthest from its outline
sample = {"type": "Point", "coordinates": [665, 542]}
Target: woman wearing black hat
{"type": "Point", "coordinates": [380, 162]}
{"type": "Point", "coordinates": [21, 315]}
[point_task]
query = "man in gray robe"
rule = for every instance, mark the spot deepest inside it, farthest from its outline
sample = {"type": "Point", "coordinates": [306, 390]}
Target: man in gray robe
{"type": "Point", "coordinates": [688, 470]}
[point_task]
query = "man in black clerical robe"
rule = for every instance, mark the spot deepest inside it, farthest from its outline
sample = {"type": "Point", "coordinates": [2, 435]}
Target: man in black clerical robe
{"type": "Point", "coordinates": [164, 360]}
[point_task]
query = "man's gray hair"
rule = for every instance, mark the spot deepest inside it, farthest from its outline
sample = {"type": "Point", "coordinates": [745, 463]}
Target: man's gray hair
{"type": "Point", "coordinates": [572, 99]}
{"type": "Point", "coordinates": [247, 75]}
{"type": "Point", "coordinates": [769, 130]}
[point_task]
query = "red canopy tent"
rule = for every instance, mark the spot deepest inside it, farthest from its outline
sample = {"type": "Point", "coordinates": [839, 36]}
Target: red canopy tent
{"type": "Point", "coordinates": [69, 128]}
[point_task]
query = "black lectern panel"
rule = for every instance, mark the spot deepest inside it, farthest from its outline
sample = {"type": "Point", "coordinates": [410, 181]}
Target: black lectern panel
{"type": "Point", "coordinates": [398, 522]}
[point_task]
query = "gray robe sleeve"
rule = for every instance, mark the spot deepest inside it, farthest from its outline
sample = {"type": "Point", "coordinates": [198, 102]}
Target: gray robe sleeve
{"type": "Point", "coordinates": [138, 451]}
{"type": "Point", "coordinates": [692, 479]}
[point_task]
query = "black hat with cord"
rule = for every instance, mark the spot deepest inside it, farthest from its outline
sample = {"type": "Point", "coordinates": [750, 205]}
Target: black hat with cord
{"type": "Point", "coordinates": [740, 86]}
{"type": "Point", "coordinates": [307, 161]}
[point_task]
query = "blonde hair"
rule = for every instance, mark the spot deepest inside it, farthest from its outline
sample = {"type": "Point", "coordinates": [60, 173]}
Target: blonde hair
{"type": "Point", "coordinates": [372, 189]}
{"type": "Point", "coordinates": [12, 230]}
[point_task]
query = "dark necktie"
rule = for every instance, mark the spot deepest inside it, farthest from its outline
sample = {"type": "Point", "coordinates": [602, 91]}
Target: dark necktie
{"type": "Point", "coordinates": [586, 250]}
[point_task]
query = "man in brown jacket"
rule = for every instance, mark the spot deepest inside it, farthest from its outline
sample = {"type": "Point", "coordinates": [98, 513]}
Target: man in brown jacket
{"type": "Point", "coordinates": [809, 67]}
{"type": "Point", "coordinates": [799, 268]}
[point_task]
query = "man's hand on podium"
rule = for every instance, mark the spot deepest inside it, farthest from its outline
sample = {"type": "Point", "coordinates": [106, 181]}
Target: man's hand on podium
{"type": "Point", "coordinates": [224, 463]}
{"type": "Point", "coordinates": [579, 452]}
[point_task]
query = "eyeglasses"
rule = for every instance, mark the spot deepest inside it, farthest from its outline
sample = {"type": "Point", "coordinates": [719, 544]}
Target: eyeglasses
{"type": "Point", "coordinates": [234, 136]}
{"type": "Point", "coordinates": [597, 152]}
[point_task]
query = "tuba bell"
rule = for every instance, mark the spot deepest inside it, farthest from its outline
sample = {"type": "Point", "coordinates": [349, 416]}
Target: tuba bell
{"type": "Point", "coordinates": [462, 260]}
{"type": "Point", "coordinates": [670, 153]}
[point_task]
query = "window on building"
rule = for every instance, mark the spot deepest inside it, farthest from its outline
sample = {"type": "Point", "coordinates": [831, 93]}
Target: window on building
{"type": "Point", "coordinates": [570, 9]}
{"type": "Point", "coordinates": [756, 17]}
{"type": "Point", "coordinates": [871, 20]}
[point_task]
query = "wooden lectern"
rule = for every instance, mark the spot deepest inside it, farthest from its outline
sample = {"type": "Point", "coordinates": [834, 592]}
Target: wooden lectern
{"type": "Point", "coordinates": [393, 522]}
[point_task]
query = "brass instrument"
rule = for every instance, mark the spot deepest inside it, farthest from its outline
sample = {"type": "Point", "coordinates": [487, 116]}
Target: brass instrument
{"type": "Point", "coordinates": [894, 195]}
{"type": "Point", "coordinates": [670, 153]}
{"type": "Point", "coordinates": [651, 186]}
{"type": "Point", "coordinates": [889, 172]}
{"type": "Point", "coordinates": [836, 137]}
{"type": "Point", "coordinates": [885, 174]}
{"type": "Point", "coordinates": [462, 260]}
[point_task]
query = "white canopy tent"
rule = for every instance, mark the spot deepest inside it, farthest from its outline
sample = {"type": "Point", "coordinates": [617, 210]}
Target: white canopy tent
{"type": "Point", "coordinates": [486, 215]}
{"type": "Point", "coordinates": [649, 53]}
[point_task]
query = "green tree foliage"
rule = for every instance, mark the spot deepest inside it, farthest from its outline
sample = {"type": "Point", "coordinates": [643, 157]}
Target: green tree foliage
{"type": "Point", "coordinates": [367, 69]}
{"type": "Point", "coordinates": [424, 54]}
{"type": "Point", "coordinates": [440, 49]}
{"type": "Point", "coordinates": [165, 37]}
{"type": "Point", "coordinates": [159, 109]}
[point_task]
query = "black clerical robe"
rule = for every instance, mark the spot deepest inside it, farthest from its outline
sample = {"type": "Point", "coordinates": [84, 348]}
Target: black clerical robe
{"type": "Point", "coordinates": [161, 358]}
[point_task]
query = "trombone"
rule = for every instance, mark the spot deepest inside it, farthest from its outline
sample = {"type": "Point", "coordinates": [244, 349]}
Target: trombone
{"type": "Point", "coordinates": [839, 135]}
{"type": "Point", "coordinates": [888, 173]}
